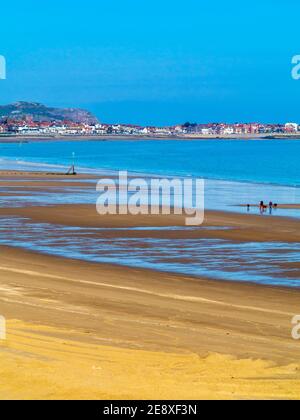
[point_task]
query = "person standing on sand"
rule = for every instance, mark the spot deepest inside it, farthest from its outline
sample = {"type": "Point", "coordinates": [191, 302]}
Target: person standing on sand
{"type": "Point", "coordinates": [270, 207]}
{"type": "Point", "coordinates": [262, 207]}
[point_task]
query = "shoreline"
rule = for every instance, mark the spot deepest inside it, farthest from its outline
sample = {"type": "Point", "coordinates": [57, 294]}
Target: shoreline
{"type": "Point", "coordinates": [240, 227]}
{"type": "Point", "coordinates": [142, 271]}
{"type": "Point", "coordinates": [137, 138]}
{"type": "Point", "coordinates": [113, 173]}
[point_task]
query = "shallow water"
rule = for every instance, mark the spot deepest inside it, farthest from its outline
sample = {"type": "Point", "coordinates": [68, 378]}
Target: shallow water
{"type": "Point", "coordinates": [262, 161]}
{"type": "Point", "coordinates": [219, 195]}
{"type": "Point", "coordinates": [261, 263]}
{"type": "Point", "coordinates": [236, 172]}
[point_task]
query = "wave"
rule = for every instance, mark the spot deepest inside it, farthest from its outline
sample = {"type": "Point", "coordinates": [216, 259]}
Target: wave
{"type": "Point", "coordinates": [9, 164]}
{"type": "Point", "coordinates": [39, 164]}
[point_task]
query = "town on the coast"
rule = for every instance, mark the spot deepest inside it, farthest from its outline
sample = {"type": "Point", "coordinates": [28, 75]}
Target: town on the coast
{"type": "Point", "coordinates": [34, 119]}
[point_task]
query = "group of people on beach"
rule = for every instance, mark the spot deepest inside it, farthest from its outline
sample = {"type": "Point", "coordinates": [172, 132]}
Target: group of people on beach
{"type": "Point", "coordinates": [263, 208]}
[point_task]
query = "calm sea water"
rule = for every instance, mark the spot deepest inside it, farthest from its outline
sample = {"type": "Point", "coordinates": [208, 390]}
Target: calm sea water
{"type": "Point", "coordinates": [236, 172]}
{"type": "Point", "coordinates": [273, 161]}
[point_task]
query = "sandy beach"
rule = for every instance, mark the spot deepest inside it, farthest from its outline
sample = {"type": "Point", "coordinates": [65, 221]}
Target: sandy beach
{"type": "Point", "coordinates": [149, 203]}
{"type": "Point", "coordinates": [131, 333]}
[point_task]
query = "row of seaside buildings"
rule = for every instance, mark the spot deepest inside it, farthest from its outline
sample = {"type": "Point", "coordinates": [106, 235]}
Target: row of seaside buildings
{"type": "Point", "coordinates": [64, 128]}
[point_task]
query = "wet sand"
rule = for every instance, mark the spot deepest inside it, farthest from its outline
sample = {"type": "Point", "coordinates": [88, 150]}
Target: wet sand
{"type": "Point", "coordinates": [241, 227]}
{"type": "Point", "coordinates": [42, 176]}
{"type": "Point", "coordinates": [280, 206]}
{"type": "Point", "coordinates": [118, 332]}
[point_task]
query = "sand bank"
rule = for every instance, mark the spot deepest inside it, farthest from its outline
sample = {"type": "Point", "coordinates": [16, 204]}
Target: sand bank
{"type": "Point", "coordinates": [241, 227]}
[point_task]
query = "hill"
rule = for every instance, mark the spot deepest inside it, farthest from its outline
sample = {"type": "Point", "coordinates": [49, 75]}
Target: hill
{"type": "Point", "coordinates": [38, 112]}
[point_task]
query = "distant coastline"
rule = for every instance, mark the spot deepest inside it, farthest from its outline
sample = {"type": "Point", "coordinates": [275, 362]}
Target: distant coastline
{"type": "Point", "coordinates": [35, 121]}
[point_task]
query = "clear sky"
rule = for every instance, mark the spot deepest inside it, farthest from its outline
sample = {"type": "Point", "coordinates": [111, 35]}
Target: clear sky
{"type": "Point", "coordinates": [155, 61]}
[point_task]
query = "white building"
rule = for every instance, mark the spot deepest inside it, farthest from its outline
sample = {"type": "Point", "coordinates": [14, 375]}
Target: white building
{"type": "Point", "coordinates": [291, 127]}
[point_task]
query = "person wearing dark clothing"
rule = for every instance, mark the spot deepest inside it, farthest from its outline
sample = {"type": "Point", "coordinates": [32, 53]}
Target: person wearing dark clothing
{"type": "Point", "coordinates": [262, 207]}
{"type": "Point", "coordinates": [270, 207]}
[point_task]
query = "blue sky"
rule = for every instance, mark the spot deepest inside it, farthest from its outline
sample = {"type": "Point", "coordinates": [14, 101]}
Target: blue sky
{"type": "Point", "coordinates": [154, 62]}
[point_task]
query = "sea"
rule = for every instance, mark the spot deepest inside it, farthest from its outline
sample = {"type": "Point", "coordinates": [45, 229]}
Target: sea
{"type": "Point", "coordinates": [235, 172]}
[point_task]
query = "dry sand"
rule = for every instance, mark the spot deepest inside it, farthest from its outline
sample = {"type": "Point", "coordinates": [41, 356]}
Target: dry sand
{"type": "Point", "coordinates": [81, 330]}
